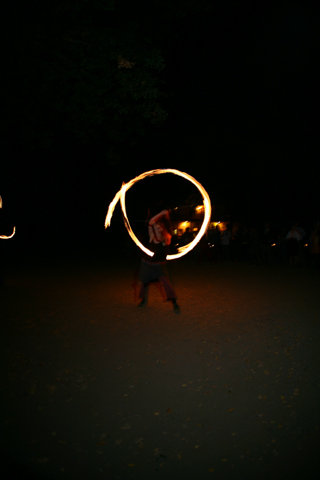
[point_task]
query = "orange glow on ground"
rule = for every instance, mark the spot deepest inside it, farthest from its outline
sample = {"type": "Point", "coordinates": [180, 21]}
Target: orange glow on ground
{"type": "Point", "coordinates": [122, 194]}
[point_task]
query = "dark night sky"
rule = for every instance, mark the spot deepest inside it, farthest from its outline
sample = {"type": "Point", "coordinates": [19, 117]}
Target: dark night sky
{"type": "Point", "coordinates": [242, 105]}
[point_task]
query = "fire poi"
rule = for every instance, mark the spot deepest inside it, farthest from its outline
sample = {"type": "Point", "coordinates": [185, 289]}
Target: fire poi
{"type": "Point", "coordinates": [122, 195]}
{"type": "Point", "coordinates": [5, 237]}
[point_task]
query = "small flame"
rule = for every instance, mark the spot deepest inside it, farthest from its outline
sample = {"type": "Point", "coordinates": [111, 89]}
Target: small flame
{"type": "Point", "coordinates": [122, 194]}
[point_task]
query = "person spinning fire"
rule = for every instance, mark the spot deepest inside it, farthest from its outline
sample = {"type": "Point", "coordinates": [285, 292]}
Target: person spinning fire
{"type": "Point", "coordinates": [154, 268]}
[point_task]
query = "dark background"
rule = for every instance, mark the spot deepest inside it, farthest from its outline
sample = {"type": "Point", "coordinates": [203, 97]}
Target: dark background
{"type": "Point", "coordinates": [224, 91]}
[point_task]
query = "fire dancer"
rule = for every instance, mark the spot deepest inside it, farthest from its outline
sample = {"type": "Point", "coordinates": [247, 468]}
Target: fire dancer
{"type": "Point", "coordinates": [154, 268]}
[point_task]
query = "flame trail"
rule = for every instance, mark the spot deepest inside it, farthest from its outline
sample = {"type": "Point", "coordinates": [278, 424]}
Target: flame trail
{"type": "Point", "coordinates": [5, 237]}
{"type": "Point", "coordinates": [122, 194]}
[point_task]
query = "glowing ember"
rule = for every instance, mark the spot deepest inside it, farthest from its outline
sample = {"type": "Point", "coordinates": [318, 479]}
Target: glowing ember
{"type": "Point", "coordinates": [122, 194]}
{"type": "Point", "coordinates": [5, 237]}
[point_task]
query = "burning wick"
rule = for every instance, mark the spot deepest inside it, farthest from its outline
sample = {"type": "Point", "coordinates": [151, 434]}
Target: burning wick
{"type": "Point", "coordinates": [122, 194]}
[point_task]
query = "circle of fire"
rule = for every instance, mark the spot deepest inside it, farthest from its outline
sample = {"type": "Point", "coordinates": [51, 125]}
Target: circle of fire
{"type": "Point", "coordinates": [122, 194]}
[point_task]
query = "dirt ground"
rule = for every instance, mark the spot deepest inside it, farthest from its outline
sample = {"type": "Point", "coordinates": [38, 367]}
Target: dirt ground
{"type": "Point", "coordinates": [93, 387]}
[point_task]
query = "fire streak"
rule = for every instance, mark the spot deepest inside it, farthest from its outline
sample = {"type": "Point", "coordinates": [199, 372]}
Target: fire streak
{"type": "Point", "coordinates": [5, 237]}
{"type": "Point", "coordinates": [122, 194]}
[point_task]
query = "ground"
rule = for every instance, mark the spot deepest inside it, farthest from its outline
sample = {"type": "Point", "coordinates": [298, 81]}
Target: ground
{"type": "Point", "coordinates": [93, 387]}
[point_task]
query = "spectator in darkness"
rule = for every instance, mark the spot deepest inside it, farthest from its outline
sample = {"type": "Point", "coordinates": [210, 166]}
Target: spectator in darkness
{"type": "Point", "coordinates": [254, 247]}
{"type": "Point", "coordinates": [187, 237]}
{"type": "Point", "coordinates": [204, 249]}
{"type": "Point", "coordinates": [300, 243]}
{"type": "Point", "coordinates": [314, 246]}
{"type": "Point", "coordinates": [281, 246]}
{"type": "Point", "coordinates": [236, 240]}
{"type": "Point", "coordinates": [265, 244]}
{"type": "Point", "coordinates": [214, 240]}
{"type": "Point", "coordinates": [225, 238]}
{"type": "Point", "coordinates": [233, 244]}
{"type": "Point", "coordinates": [293, 237]}
{"type": "Point", "coordinates": [244, 243]}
